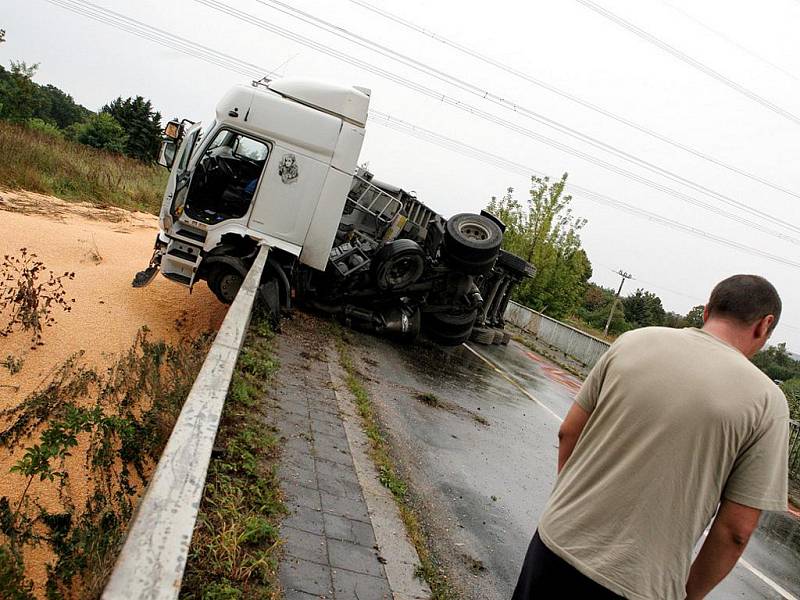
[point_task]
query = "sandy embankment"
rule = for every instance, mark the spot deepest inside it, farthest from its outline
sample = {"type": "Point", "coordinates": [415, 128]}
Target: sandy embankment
{"type": "Point", "coordinates": [104, 247]}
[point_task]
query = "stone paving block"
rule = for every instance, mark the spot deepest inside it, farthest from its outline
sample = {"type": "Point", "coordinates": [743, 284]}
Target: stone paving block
{"type": "Point", "coordinates": [329, 468]}
{"type": "Point", "coordinates": [344, 507]}
{"type": "Point", "coordinates": [327, 428]}
{"type": "Point", "coordinates": [339, 487]}
{"type": "Point", "coordinates": [295, 595]}
{"type": "Point", "coordinates": [298, 495]}
{"type": "Point", "coordinates": [357, 586]}
{"type": "Point", "coordinates": [304, 545]}
{"type": "Point", "coordinates": [347, 530]}
{"type": "Point", "coordinates": [298, 459]}
{"type": "Point", "coordinates": [338, 439]}
{"type": "Point", "coordinates": [336, 451]}
{"type": "Point", "coordinates": [298, 443]}
{"type": "Point", "coordinates": [345, 555]}
{"type": "Point", "coordinates": [294, 473]}
{"type": "Point", "coordinates": [305, 576]}
{"type": "Point", "coordinates": [322, 415]}
{"type": "Point", "coordinates": [305, 519]}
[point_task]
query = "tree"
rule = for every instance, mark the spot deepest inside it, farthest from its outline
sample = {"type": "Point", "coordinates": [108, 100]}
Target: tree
{"type": "Point", "coordinates": [777, 363]}
{"type": "Point", "coordinates": [643, 309]}
{"type": "Point", "coordinates": [142, 126]}
{"type": "Point", "coordinates": [19, 98]}
{"type": "Point", "coordinates": [102, 131]}
{"type": "Point", "coordinates": [674, 320]}
{"type": "Point", "coordinates": [694, 318]}
{"type": "Point", "coordinates": [545, 233]}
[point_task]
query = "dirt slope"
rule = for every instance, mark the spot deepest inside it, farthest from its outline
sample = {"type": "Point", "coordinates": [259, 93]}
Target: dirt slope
{"type": "Point", "coordinates": [104, 247]}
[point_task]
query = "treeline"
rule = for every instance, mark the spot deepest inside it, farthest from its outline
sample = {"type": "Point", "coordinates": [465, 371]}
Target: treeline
{"type": "Point", "coordinates": [123, 126]}
{"type": "Point", "coordinates": [543, 230]}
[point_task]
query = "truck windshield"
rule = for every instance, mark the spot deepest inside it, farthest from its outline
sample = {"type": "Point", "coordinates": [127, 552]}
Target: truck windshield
{"type": "Point", "coordinates": [226, 177]}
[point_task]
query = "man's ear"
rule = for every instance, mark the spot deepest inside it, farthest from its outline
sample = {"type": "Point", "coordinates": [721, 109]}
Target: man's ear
{"type": "Point", "coordinates": [705, 313]}
{"type": "Point", "coordinates": [762, 328]}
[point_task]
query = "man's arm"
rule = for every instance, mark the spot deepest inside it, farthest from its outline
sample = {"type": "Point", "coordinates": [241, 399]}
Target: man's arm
{"type": "Point", "coordinates": [724, 545]}
{"type": "Point", "coordinates": [569, 432]}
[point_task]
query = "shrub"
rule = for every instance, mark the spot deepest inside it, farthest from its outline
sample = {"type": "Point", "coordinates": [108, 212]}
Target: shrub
{"type": "Point", "coordinates": [102, 131]}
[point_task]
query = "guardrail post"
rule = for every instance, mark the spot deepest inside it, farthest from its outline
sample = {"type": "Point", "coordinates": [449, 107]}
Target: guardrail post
{"type": "Point", "coordinates": [151, 563]}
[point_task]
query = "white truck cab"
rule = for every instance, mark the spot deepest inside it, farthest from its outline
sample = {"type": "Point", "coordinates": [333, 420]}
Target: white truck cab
{"type": "Point", "coordinates": [274, 167]}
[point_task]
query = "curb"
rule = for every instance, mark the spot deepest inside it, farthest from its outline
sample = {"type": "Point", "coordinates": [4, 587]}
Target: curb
{"type": "Point", "coordinates": [402, 561]}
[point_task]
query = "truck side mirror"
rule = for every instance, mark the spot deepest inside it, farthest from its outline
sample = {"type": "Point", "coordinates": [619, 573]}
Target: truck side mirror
{"type": "Point", "coordinates": [166, 156]}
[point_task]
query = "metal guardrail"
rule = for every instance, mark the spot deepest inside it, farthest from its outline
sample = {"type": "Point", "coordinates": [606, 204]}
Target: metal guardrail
{"type": "Point", "coordinates": [151, 563]}
{"type": "Point", "coordinates": [794, 450]}
{"type": "Point", "coordinates": [573, 342]}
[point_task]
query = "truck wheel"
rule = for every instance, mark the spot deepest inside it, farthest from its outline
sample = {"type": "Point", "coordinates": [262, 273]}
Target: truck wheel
{"type": "Point", "coordinates": [450, 329]}
{"type": "Point", "coordinates": [471, 243]}
{"type": "Point", "coordinates": [506, 338]}
{"type": "Point", "coordinates": [398, 265]}
{"type": "Point", "coordinates": [514, 263]}
{"type": "Point", "coordinates": [482, 335]}
{"type": "Point", "coordinates": [225, 283]}
{"type": "Point", "coordinates": [498, 336]}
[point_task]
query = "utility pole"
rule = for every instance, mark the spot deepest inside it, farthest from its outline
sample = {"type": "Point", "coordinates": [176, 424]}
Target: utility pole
{"type": "Point", "coordinates": [624, 276]}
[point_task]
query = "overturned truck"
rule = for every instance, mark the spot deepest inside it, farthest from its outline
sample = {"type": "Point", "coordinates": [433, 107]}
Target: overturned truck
{"type": "Point", "coordinates": [278, 167]}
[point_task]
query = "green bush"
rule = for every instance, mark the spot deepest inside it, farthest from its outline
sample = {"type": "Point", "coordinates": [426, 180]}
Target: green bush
{"type": "Point", "coordinates": [102, 131]}
{"type": "Point", "coordinates": [792, 390]}
{"type": "Point", "coordinates": [44, 127]}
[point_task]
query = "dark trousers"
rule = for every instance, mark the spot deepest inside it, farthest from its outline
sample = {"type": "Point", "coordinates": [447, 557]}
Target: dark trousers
{"type": "Point", "coordinates": [545, 576]}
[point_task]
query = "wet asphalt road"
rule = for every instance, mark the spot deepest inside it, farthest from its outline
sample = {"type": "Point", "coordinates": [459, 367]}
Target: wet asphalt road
{"type": "Point", "coordinates": [484, 461]}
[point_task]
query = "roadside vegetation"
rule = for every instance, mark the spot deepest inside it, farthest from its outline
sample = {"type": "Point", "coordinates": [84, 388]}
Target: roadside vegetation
{"type": "Point", "coordinates": [430, 567]}
{"type": "Point", "coordinates": [52, 145]}
{"type": "Point", "coordinates": [96, 432]}
{"type": "Point", "coordinates": [235, 545]}
{"type": "Point", "coordinates": [544, 231]}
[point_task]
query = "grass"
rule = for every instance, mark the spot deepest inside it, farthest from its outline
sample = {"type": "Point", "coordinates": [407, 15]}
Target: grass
{"type": "Point", "coordinates": [235, 544]}
{"type": "Point", "coordinates": [429, 569]}
{"type": "Point", "coordinates": [578, 323]}
{"type": "Point", "coordinates": [41, 162]}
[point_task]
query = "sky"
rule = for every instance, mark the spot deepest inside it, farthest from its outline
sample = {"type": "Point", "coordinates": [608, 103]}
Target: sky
{"type": "Point", "coordinates": [561, 43]}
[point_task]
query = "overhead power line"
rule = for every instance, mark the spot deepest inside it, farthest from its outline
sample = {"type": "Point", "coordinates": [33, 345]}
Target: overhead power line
{"type": "Point", "coordinates": [484, 115]}
{"type": "Point", "coordinates": [568, 96]}
{"type": "Point", "coordinates": [495, 98]}
{"type": "Point", "coordinates": [500, 162]}
{"type": "Point", "coordinates": [692, 62]}
{"type": "Point", "coordinates": [207, 54]}
{"type": "Point", "coordinates": [730, 40]}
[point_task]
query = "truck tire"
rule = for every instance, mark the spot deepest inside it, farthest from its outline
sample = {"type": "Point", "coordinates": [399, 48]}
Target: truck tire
{"type": "Point", "coordinates": [226, 285]}
{"type": "Point", "coordinates": [498, 336]}
{"type": "Point", "coordinates": [398, 264]}
{"type": "Point", "coordinates": [450, 329]}
{"type": "Point", "coordinates": [482, 335]}
{"type": "Point", "coordinates": [514, 263]}
{"type": "Point", "coordinates": [506, 338]}
{"type": "Point", "coordinates": [471, 243]}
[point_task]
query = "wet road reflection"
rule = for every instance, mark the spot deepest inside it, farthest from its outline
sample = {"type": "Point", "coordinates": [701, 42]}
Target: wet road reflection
{"type": "Point", "coordinates": [485, 458]}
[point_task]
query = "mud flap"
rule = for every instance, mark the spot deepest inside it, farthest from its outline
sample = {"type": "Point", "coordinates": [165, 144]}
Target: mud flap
{"type": "Point", "coordinates": [269, 292]}
{"type": "Point", "coordinates": [142, 278]}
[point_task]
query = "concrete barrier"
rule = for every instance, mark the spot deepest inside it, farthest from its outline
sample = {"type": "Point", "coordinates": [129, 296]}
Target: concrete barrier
{"type": "Point", "coordinates": [573, 342]}
{"type": "Point", "coordinates": [151, 563]}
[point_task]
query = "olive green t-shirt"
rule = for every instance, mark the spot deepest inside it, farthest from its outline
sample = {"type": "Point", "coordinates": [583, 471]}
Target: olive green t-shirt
{"type": "Point", "coordinates": [679, 420]}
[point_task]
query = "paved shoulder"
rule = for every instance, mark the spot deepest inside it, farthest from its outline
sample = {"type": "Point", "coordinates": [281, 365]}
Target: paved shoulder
{"type": "Point", "coordinates": [330, 547]}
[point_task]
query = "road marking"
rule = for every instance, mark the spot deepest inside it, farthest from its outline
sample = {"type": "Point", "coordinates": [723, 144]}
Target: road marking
{"type": "Point", "coordinates": [775, 587]}
{"type": "Point", "coordinates": [513, 382]}
{"type": "Point", "coordinates": [787, 595]}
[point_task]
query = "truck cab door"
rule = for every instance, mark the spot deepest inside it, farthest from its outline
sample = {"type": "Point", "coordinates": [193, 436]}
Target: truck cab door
{"type": "Point", "coordinates": [179, 178]}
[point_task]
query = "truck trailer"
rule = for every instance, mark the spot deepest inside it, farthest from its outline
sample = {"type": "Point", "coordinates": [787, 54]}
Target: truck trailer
{"type": "Point", "coordinates": [278, 166]}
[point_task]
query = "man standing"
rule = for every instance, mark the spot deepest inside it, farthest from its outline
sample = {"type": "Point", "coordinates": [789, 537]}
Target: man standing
{"type": "Point", "coordinates": [670, 427]}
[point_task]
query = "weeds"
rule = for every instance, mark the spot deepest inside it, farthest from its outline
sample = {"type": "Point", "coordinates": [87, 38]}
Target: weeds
{"type": "Point", "coordinates": [234, 548]}
{"type": "Point", "coordinates": [29, 295]}
{"type": "Point", "coordinates": [429, 568]}
{"type": "Point", "coordinates": [428, 398]}
{"type": "Point", "coordinates": [123, 431]}
{"type": "Point", "coordinates": [12, 363]}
